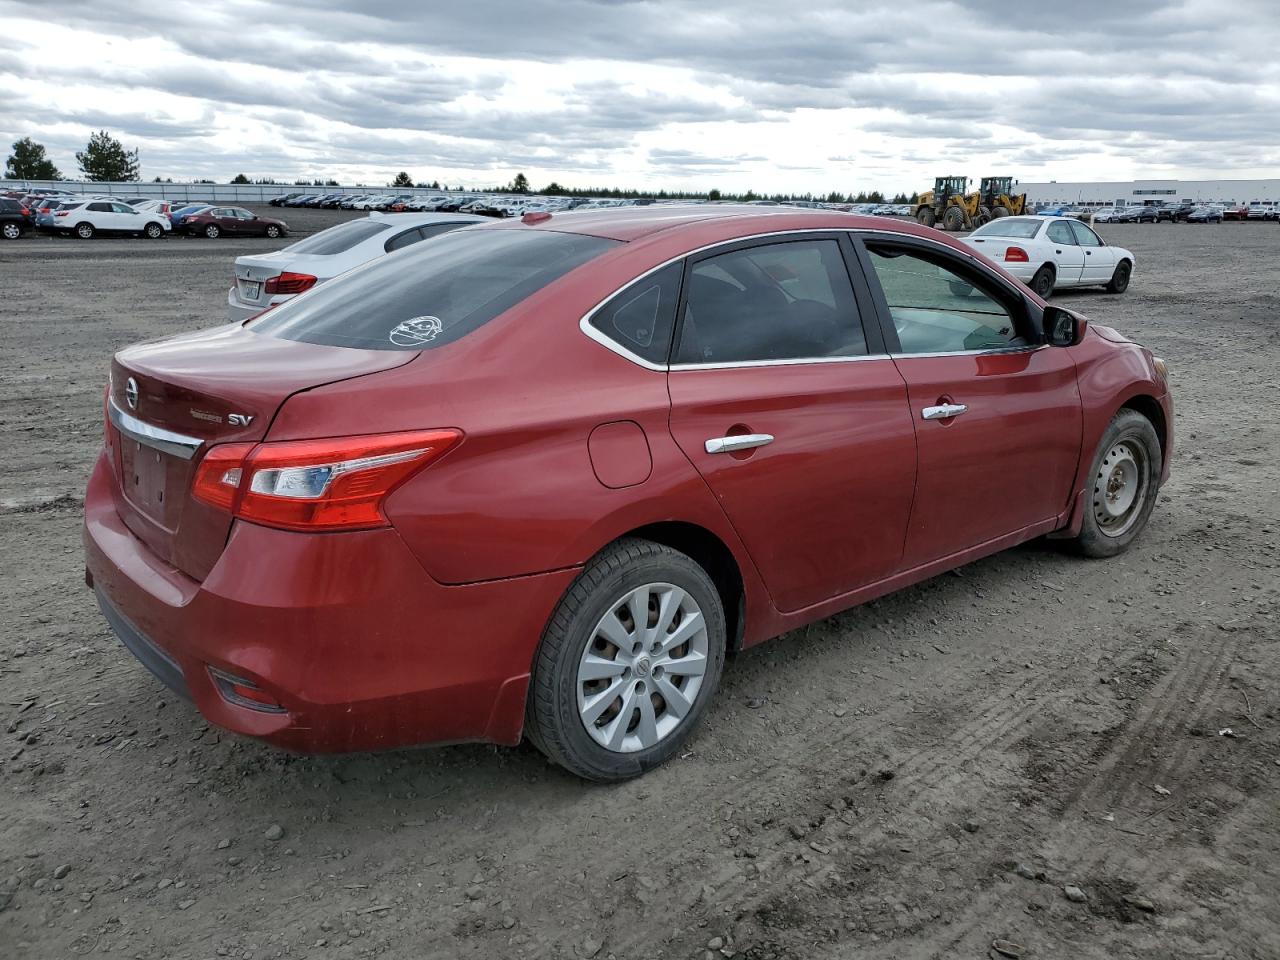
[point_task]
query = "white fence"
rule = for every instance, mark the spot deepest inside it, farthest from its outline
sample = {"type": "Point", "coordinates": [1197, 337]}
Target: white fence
{"type": "Point", "coordinates": [204, 192]}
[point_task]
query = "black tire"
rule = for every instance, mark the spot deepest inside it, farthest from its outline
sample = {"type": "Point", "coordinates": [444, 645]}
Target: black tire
{"type": "Point", "coordinates": [11, 231]}
{"type": "Point", "coordinates": [926, 217]}
{"type": "Point", "coordinates": [84, 231]}
{"type": "Point", "coordinates": [553, 723]}
{"type": "Point", "coordinates": [998, 212]}
{"type": "Point", "coordinates": [154, 231]}
{"type": "Point", "coordinates": [1131, 429]}
{"type": "Point", "coordinates": [953, 219]}
{"type": "Point", "coordinates": [1120, 279]}
{"type": "Point", "coordinates": [212, 231]}
{"type": "Point", "coordinates": [1042, 282]}
{"type": "Point", "coordinates": [273, 231]}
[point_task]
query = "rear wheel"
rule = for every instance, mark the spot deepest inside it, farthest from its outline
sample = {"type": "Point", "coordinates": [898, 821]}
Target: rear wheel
{"type": "Point", "coordinates": [1042, 282]}
{"type": "Point", "coordinates": [11, 231]}
{"type": "Point", "coordinates": [998, 212]}
{"type": "Point", "coordinates": [84, 231]}
{"type": "Point", "coordinates": [154, 231]}
{"type": "Point", "coordinates": [926, 217]}
{"type": "Point", "coordinates": [212, 231]}
{"type": "Point", "coordinates": [1120, 279]}
{"type": "Point", "coordinates": [1124, 484]}
{"type": "Point", "coordinates": [628, 663]}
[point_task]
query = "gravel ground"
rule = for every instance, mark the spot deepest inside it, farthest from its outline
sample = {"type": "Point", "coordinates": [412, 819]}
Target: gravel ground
{"type": "Point", "coordinates": [1077, 757]}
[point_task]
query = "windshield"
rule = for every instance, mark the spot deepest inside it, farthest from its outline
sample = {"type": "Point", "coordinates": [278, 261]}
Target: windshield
{"type": "Point", "coordinates": [1017, 227]}
{"type": "Point", "coordinates": [433, 292]}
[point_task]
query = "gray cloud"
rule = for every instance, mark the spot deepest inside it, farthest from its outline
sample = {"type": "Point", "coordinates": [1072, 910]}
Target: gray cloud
{"type": "Point", "coordinates": [1154, 81]}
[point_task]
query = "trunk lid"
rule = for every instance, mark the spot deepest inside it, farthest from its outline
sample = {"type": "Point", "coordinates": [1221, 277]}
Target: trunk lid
{"type": "Point", "coordinates": [171, 400]}
{"type": "Point", "coordinates": [253, 272]}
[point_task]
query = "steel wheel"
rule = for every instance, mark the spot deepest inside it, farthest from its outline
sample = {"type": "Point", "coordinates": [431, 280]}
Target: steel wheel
{"type": "Point", "coordinates": [1119, 488]}
{"type": "Point", "coordinates": [642, 668]}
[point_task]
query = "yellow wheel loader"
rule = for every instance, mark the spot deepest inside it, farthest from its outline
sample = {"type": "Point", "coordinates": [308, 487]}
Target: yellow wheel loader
{"type": "Point", "coordinates": [999, 200]}
{"type": "Point", "coordinates": [948, 205]}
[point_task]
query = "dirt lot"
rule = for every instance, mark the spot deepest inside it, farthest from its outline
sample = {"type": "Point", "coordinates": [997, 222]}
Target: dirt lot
{"type": "Point", "coordinates": [912, 779]}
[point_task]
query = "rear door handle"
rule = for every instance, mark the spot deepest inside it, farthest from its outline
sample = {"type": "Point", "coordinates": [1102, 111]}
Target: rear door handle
{"type": "Point", "coordinates": [943, 411]}
{"type": "Point", "coordinates": [743, 441]}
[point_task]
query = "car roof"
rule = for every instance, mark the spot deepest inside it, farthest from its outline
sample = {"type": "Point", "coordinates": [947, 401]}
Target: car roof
{"type": "Point", "coordinates": [637, 223]}
{"type": "Point", "coordinates": [414, 217]}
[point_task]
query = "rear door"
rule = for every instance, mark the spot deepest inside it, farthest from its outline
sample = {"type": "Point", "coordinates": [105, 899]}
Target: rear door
{"type": "Point", "coordinates": [1067, 253]}
{"type": "Point", "coordinates": [783, 398]}
{"type": "Point", "coordinates": [997, 416]}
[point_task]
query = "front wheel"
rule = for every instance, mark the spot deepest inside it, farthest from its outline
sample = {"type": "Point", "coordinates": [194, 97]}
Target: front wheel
{"type": "Point", "coordinates": [628, 663]}
{"type": "Point", "coordinates": [1123, 486]}
{"type": "Point", "coordinates": [273, 231]}
{"type": "Point", "coordinates": [1120, 279]}
{"type": "Point", "coordinates": [12, 231]}
{"type": "Point", "coordinates": [953, 219]}
{"type": "Point", "coordinates": [212, 231]}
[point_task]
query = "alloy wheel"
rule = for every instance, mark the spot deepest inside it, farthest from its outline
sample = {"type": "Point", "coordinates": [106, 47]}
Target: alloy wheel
{"type": "Point", "coordinates": [642, 668]}
{"type": "Point", "coordinates": [11, 231]}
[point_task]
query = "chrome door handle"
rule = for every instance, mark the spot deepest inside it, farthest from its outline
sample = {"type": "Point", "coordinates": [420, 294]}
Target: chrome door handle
{"type": "Point", "coordinates": [742, 442]}
{"type": "Point", "coordinates": [943, 411]}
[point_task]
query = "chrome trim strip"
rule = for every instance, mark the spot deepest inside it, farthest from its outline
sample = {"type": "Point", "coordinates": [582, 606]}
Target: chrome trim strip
{"type": "Point", "coordinates": [158, 438]}
{"type": "Point", "coordinates": [997, 351]}
{"type": "Point", "coordinates": [584, 324]}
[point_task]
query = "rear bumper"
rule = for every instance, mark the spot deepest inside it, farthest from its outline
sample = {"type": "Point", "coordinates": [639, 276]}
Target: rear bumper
{"type": "Point", "coordinates": [360, 648]}
{"type": "Point", "coordinates": [238, 311]}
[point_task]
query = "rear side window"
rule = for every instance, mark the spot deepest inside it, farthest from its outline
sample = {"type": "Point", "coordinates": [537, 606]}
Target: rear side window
{"type": "Point", "coordinates": [641, 317]}
{"type": "Point", "coordinates": [424, 232]}
{"type": "Point", "coordinates": [339, 239]}
{"type": "Point", "coordinates": [780, 301]}
{"type": "Point", "coordinates": [431, 294]}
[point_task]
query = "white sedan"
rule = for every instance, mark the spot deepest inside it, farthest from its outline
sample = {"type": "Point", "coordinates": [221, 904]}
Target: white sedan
{"type": "Point", "coordinates": [266, 280]}
{"type": "Point", "coordinates": [1047, 253]}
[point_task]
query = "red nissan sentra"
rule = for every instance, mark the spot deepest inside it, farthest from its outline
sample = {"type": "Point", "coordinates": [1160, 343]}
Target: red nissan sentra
{"type": "Point", "coordinates": [537, 477]}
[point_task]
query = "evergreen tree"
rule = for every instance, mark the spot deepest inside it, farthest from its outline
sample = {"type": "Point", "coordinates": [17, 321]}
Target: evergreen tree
{"type": "Point", "coordinates": [28, 162]}
{"type": "Point", "coordinates": [106, 159]}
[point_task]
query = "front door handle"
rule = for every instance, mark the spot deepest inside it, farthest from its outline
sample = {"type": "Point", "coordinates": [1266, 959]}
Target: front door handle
{"type": "Point", "coordinates": [744, 441]}
{"type": "Point", "coordinates": [943, 411]}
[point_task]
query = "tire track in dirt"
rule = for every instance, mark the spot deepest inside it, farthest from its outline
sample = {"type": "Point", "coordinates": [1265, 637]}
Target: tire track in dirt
{"type": "Point", "coordinates": [991, 725]}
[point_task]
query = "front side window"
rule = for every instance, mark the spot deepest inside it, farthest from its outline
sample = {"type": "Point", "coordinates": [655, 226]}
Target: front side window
{"type": "Point", "coordinates": [641, 317]}
{"type": "Point", "coordinates": [779, 301]}
{"type": "Point", "coordinates": [431, 294]}
{"type": "Point", "coordinates": [1060, 232]}
{"type": "Point", "coordinates": [937, 309]}
{"type": "Point", "coordinates": [1084, 236]}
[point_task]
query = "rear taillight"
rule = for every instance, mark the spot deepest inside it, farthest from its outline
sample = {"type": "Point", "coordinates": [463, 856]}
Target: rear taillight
{"type": "Point", "coordinates": [337, 484]}
{"type": "Point", "coordinates": [290, 283]}
{"type": "Point", "coordinates": [26, 211]}
{"type": "Point", "coordinates": [61, 213]}
{"type": "Point", "coordinates": [1015, 255]}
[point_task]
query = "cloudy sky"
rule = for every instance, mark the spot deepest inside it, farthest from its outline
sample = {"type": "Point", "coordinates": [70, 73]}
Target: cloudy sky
{"type": "Point", "coordinates": [736, 94]}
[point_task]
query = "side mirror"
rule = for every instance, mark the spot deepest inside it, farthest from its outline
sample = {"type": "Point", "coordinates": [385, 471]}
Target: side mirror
{"type": "Point", "coordinates": [1062, 328]}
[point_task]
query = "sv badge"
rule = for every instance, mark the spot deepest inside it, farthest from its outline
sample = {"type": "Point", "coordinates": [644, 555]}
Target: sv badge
{"type": "Point", "coordinates": [239, 419]}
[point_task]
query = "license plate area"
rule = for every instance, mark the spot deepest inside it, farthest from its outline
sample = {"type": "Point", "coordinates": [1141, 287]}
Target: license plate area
{"type": "Point", "coordinates": [250, 289]}
{"type": "Point", "coordinates": [152, 482]}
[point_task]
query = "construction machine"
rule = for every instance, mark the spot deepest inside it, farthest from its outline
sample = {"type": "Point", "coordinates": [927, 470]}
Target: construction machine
{"type": "Point", "coordinates": [999, 200]}
{"type": "Point", "coordinates": [949, 206]}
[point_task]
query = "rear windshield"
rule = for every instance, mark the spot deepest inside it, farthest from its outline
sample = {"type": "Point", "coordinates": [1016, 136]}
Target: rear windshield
{"type": "Point", "coordinates": [1009, 227]}
{"type": "Point", "coordinates": [433, 292]}
{"type": "Point", "coordinates": [339, 239]}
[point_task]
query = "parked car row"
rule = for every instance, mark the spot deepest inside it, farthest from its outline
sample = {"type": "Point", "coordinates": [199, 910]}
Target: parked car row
{"type": "Point", "coordinates": [88, 216]}
{"type": "Point", "coordinates": [1167, 213]}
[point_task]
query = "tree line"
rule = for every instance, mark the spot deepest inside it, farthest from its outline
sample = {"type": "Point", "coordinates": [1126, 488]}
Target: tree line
{"type": "Point", "coordinates": [105, 158]}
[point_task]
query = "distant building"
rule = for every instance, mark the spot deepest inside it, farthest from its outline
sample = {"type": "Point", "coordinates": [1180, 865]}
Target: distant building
{"type": "Point", "coordinates": [1123, 193]}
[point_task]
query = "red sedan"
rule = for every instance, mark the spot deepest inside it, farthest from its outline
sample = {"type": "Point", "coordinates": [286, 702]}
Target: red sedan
{"type": "Point", "coordinates": [537, 477]}
{"type": "Point", "coordinates": [232, 222]}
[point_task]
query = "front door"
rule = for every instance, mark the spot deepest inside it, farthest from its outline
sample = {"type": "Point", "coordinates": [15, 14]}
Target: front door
{"type": "Point", "coordinates": [791, 411]}
{"type": "Point", "coordinates": [997, 415]}
{"type": "Point", "coordinates": [1099, 259]}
